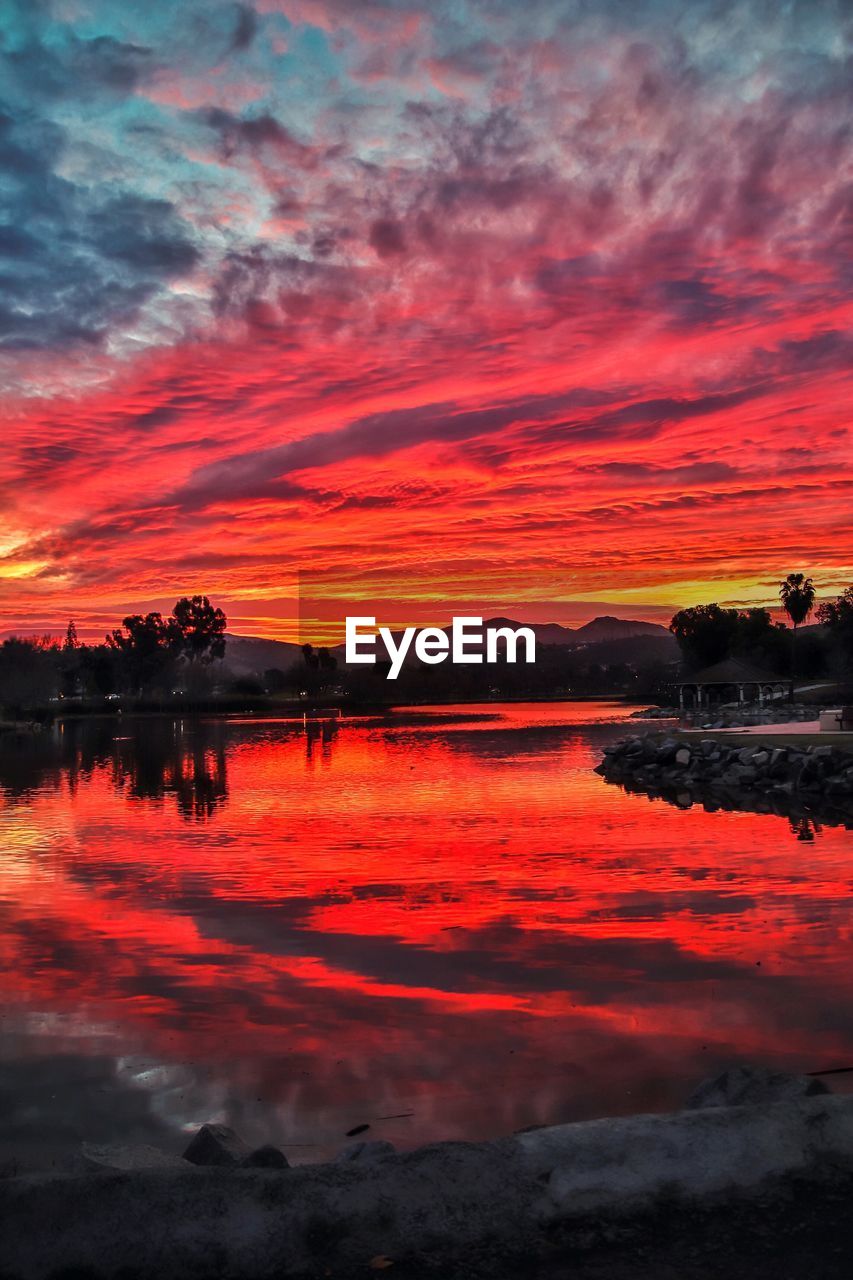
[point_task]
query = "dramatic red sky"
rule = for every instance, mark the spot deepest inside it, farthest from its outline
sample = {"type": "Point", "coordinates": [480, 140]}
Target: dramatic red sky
{"type": "Point", "coordinates": [541, 309]}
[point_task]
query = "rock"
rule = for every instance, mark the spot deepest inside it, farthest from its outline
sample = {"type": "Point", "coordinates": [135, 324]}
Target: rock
{"type": "Point", "coordinates": [365, 1152]}
{"type": "Point", "coordinates": [265, 1157]}
{"type": "Point", "coordinates": [661, 765]}
{"type": "Point", "coordinates": [102, 1156]}
{"type": "Point", "coordinates": [752, 1086]}
{"type": "Point", "coordinates": [216, 1144]}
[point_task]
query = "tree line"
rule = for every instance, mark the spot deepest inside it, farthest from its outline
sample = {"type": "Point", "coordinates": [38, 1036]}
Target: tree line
{"type": "Point", "coordinates": [710, 633]}
{"type": "Point", "coordinates": [147, 655]}
{"type": "Point", "coordinates": [152, 656]}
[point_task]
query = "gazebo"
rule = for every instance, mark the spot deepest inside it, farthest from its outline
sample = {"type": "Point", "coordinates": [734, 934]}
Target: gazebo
{"type": "Point", "coordinates": [733, 675]}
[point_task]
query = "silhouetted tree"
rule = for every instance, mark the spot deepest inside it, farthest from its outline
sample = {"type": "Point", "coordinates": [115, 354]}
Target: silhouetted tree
{"type": "Point", "coordinates": [68, 664]}
{"type": "Point", "coordinates": [705, 633]}
{"type": "Point", "coordinates": [199, 629]}
{"type": "Point", "coordinates": [99, 668]}
{"type": "Point", "coordinates": [760, 640]}
{"type": "Point", "coordinates": [28, 673]}
{"type": "Point", "coordinates": [312, 659]}
{"type": "Point", "coordinates": [327, 661]}
{"type": "Point", "coordinates": [150, 644]}
{"type": "Point", "coordinates": [147, 646]}
{"type": "Point", "coordinates": [837, 616]}
{"type": "Point", "coordinates": [797, 594]}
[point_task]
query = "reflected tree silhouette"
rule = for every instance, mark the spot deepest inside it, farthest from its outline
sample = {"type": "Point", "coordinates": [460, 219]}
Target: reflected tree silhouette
{"type": "Point", "coordinates": [202, 784]}
{"type": "Point", "coordinates": [320, 733]}
{"type": "Point", "coordinates": [147, 759]}
{"type": "Point", "coordinates": [179, 758]}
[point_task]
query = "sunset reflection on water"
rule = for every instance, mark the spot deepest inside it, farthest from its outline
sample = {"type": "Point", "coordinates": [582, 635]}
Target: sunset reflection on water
{"type": "Point", "coordinates": [443, 917]}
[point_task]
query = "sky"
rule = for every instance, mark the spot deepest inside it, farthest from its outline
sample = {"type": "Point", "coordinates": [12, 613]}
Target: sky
{"type": "Point", "coordinates": [457, 306]}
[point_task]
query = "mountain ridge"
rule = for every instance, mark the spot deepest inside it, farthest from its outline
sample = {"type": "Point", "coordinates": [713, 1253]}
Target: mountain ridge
{"type": "Point", "coordinates": [256, 654]}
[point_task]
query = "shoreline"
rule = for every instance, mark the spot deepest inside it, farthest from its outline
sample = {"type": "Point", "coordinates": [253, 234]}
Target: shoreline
{"type": "Point", "coordinates": [295, 709]}
{"type": "Point", "coordinates": [800, 776]}
{"type": "Point", "coordinates": [595, 1194]}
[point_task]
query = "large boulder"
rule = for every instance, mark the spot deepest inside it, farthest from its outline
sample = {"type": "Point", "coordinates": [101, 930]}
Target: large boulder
{"type": "Point", "coordinates": [753, 1086]}
{"type": "Point", "coordinates": [216, 1144]}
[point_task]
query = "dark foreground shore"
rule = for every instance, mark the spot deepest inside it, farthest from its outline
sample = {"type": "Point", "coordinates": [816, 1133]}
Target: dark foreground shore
{"type": "Point", "coordinates": [799, 1229]}
{"type": "Point", "coordinates": [753, 1180]}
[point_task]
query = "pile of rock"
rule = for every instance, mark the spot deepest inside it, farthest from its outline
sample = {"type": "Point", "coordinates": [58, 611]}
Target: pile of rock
{"type": "Point", "coordinates": [657, 763]}
{"type": "Point", "coordinates": [656, 713]}
{"type": "Point", "coordinates": [735, 715]}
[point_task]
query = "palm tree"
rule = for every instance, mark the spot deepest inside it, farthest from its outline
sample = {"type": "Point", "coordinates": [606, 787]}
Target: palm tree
{"type": "Point", "coordinates": [797, 594]}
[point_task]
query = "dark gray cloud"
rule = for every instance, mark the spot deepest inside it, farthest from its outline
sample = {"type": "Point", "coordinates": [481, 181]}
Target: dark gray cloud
{"type": "Point", "coordinates": [639, 472]}
{"type": "Point", "coordinates": [386, 237]}
{"type": "Point", "coordinates": [78, 68]}
{"type": "Point", "coordinates": [238, 134]}
{"type": "Point", "coordinates": [245, 28]}
{"type": "Point", "coordinates": [260, 472]}
{"type": "Point", "coordinates": [73, 262]}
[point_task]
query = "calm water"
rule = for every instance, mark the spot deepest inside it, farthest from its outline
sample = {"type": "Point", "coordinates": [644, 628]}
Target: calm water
{"type": "Point", "coordinates": [442, 925]}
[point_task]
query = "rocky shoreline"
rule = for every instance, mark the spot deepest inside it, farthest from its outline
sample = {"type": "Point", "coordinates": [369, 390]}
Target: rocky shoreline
{"type": "Point", "coordinates": [734, 716]}
{"type": "Point", "coordinates": [795, 782]}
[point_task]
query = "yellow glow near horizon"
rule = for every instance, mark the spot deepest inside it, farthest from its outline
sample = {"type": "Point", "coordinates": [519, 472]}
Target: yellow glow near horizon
{"type": "Point", "coordinates": [743, 592]}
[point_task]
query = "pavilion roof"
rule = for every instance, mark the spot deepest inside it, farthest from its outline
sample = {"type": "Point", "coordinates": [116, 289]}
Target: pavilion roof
{"type": "Point", "coordinates": [733, 671]}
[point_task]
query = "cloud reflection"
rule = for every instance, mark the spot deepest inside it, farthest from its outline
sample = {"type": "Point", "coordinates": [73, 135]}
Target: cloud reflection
{"type": "Point", "coordinates": [438, 920]}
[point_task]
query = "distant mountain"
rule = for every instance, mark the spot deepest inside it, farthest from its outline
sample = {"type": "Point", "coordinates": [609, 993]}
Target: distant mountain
{"type": "Point", "coordinates": [607, 628]}
{"type": "Point", "coordinates": [249, 655]}
{"type": "Point", "coordinates": [545, 632]}
{"type": "Point", "coordinates": [599, 631]}
{"type": "Point", "coordinates": [253, 655]}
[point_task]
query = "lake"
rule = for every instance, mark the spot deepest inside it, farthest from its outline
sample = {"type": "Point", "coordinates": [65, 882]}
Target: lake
{"type": "Point", "coordinates": [441, 924]}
